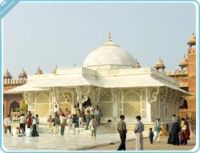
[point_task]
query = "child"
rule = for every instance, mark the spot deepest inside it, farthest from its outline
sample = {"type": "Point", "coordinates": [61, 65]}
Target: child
{"type": "Point", "coordinates": [151, 135]}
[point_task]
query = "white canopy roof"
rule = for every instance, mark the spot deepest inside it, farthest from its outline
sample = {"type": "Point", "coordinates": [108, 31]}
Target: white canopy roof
{"type": "Point", "coordinates": [120, 78]}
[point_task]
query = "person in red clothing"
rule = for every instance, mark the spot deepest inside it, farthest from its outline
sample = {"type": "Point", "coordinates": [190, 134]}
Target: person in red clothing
{"type": "Point", "coordinates": [185, 132]}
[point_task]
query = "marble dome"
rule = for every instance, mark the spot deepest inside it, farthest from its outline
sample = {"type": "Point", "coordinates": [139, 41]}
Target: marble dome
{"type": "Point", "coordinates": [110, 54]}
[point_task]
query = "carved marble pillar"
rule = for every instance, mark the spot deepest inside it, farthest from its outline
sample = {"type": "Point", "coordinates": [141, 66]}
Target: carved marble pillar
{"type": "Point", "coordinates": [114, 93]}
{"type": "Point", "coordinates": [152, 103]}
{"type": "Point", "coordinates": [148, 104]}
{"type": "Point", "coordinates": [79, 96]}
{"type": "Point", "coordinates": [120, 102]}
{"type": "Point", "coordinates": [30, 100]}
{"type": "Point", "coordinates": [143, 101]}
{"type": "Point", "coordinates": [98, 90]}
{"type": "Point", "coordinates": [54, 99]}
{"type": "Point", "coordinates": [162, 102]}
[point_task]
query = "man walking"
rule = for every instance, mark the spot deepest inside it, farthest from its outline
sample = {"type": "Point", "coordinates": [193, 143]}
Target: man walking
{"type": "Point", "coordinates": [121, 128]}
{"type": "Point", "coordinates": [139, 128]}
{"type": "Point", "coordinates": [22, 122]}
{"type": "Point", "coordinates": [7, 123]}
{"type": "Point", "coordinates": [157, 129]}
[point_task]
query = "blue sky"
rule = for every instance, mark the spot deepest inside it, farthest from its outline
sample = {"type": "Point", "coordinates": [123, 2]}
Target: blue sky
{"type": "Point", "coordinates": [48, 34]}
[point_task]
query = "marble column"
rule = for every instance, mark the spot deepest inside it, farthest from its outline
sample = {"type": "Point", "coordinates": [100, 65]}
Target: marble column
{"type": "Point", "coordinates": [148, 104]}
{"type": "Point", "coordinates": [114, 103]}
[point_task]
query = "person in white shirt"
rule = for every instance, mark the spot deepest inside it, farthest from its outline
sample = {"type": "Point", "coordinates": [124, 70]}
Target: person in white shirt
{"type": "Point", "coordinates": [34, 131]}
{"type": "Point", "coordinates": [22, 122]}
{"type": "Point", "coordinates": [93, 127]}
{"type": "Point", "coordinates": [157, 129]}
{"type": "Point", "coordinates": [63, 123]}
{"type": "Point", "coordinates": [16, 132]}
{"type": "Point", "coordinates": [56, 108]}
{"type": "Point", "coordinates": [7, 123]}
{"type": "Point", "coordinates": [139, 128]}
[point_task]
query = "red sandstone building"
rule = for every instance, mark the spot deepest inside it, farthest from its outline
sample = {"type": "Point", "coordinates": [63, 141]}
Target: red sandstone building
{"type": "Point", "coordinates": [12, 102]}
{"type": "Point", "coordinates": [186, 75]}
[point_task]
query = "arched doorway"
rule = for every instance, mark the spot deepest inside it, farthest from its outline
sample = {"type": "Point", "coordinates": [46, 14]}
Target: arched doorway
{"type": "Point", "coordinates": [14, 106]}
{"type": "Point", "coordinates": [132, 104]}
{"type": "Point", "coordinates": [183, 103]}
{"type": "Point", "coordinates": [105, 103]}
{"type": "Point", "coordinates": [42, 105]}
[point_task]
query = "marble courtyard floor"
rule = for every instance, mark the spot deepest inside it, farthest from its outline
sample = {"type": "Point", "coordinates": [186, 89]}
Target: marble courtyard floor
{"type": "Point", "coordinates": [83, 141]}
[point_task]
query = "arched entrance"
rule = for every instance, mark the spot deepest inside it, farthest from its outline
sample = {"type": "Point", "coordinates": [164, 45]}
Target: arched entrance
{"type": "Point", "coordinates": [42, 105]}
{"type": "Point", "coordinates": [14, 106]}
{"type": "Point", "coordinates": [105, 103]}
{"type": "Point", "coordinates": [132, 104]}
{"type": "Point", "coordinates": [183, 103]}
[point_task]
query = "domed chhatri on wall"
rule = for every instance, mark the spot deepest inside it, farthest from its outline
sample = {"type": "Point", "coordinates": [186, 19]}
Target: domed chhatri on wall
{"type": "Point", "coordinates": [159, 64]}
{"type": "Point", "coordinates": [22, 74]}
{"type": "Point", "coordinates": [39, 71]}
{"type": "Point", "coordinates": [9, 82]}
{"type": "Point", "coordinates": [7, 75]}
{"type": "Point", "coordinates": [109, 54]}
{"type": "Point", "coordinates": [192, 40]}
{"type": "Point", "coordinates": [183, 63]}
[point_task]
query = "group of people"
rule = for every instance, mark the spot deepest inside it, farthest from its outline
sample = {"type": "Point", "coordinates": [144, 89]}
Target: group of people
{"type": "Point", "coordinates": [179, 132]}
{"type": "Point", "coordinates": [88, 118]}
{"type": "Point", "coordinates": [28, 125]}
{"type": "Point", "coordinates": [139, 128]}
{"type": "Point", "coordinates": [154, 133]}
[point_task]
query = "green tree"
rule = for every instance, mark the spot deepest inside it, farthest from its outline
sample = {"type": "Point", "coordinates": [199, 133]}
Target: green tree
{"type": "Point", "coordinates": [24, 106]}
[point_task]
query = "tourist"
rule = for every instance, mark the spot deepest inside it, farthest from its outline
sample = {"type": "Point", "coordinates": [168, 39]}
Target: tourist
{"type": "Point", "coordinates": [63, 123]}
{"type": "Point", "coordinates": [87, 119]}
{"type": "Point", "coordinates": [29, 125]}
{"type": "Point", "coordinates": [37, 122]}
{"type": "Point", "coordinates": [28, 114]}
{"type": "Point", "coordinates": [139, 128]}
{"type": "Point", "coordinates": [66, 112]}
{"type": "Point", "coordinates": [21, 133]}
{"type": "Point", "coordinates": [50, 124]}
{"type": "Point", "coordinates": [34, 131]}
{"type": "Point", "coordinates": [121, 128]}
{"type": "Point", "coordinates": [80, 118]}
{"type": "Point", "coordinates": [98, 114]}
{"type": "Point", "coordinates": [7, 123]}
{"type": "Point", "coordinates": [22, 122]}
{"type": "Point", "coordinates": [56, 123]}
{"type": "Point", "coordinates": [189, 121]}
{"type": "Point", "coordinates": [93, 127]}
{"type": "Point", "coordinates": [16, 132]}
{"type": "Point", "coordinates": [157, 129]}
{"type": "Point", "coordinates": [15, 117]}
{"type": "Point", "coordinates": [151, 135]}
{"type": "Point", "coordinates": [56, 109]}
{"type": "Point", "coordinates": [69, 119]}
{"type": "Point", "coordinates": [75, 122]}
{"type": "Point", "coordinates": [185, 132]}
{"type": "Point", "coordinates": [174, 130]}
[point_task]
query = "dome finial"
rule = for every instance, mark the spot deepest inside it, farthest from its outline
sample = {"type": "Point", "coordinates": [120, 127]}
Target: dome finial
{"type": "Point", "coordinates": [109, 40]}
{"type": "Point", "coordinates": [109, 36]}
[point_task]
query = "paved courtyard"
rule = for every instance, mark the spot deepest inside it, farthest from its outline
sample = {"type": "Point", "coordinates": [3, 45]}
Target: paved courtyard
{"type": "Point", "coordinates": [70, 141]}
{"type": "Point", "coordinates": [83, 141]}
{"type": "Point", "coordinates": [130, 145]}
